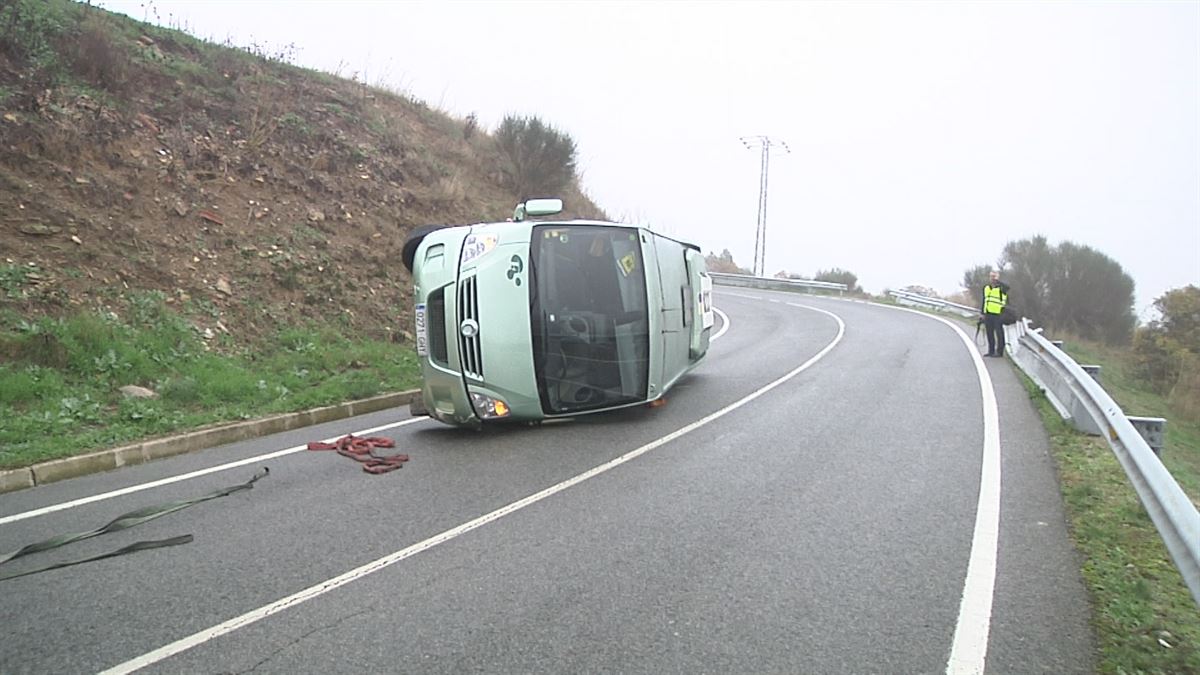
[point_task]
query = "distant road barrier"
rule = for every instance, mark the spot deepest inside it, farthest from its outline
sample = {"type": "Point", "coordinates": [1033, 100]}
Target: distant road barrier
{"type": "Point", "coordinates": [1079, 398]}
{"type": "Point", "coordinates": [770, 284]}
{"type": "Point", "coordinates": [914, 300]}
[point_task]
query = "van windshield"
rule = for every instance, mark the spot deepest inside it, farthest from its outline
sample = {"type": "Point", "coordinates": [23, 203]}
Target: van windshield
{"type": "Point", "coordinates": [590, 327]}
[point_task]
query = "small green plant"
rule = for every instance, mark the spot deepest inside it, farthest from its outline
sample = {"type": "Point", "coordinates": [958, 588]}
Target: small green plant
{"type": "Point", "coordinates": [291, 120]}
{"type": "Point", "coordinates": [13, 279]}
{"type": "Point", "coordinates": [303, 233]}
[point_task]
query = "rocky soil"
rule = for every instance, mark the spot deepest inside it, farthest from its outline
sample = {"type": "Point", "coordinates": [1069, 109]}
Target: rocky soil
{"type": "Point", "coordinates": [246, 192]}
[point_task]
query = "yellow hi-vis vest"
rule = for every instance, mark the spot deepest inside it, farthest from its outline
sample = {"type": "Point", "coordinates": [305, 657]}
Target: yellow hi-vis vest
{"type": "Point", "coordinates": [994, 299]}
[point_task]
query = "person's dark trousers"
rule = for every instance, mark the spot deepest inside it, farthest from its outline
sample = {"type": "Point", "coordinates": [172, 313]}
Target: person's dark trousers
{"type": "Point", "coordinates": [995, 334]}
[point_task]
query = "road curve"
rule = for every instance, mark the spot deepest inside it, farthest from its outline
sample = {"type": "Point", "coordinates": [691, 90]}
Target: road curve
{"type": "Point", "coordinates": [825, 525]}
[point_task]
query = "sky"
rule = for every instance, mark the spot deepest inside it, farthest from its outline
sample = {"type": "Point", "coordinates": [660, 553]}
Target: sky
{"type": "Point", "coordinates": [923, 136]}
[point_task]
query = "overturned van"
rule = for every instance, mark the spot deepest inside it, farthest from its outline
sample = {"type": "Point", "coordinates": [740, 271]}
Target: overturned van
{"type": "Point", "coordinates": [530, 320]}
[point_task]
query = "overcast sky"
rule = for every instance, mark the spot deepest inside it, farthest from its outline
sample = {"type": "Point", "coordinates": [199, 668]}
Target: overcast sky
{"type": "Point", "coordinates": [923, 136]}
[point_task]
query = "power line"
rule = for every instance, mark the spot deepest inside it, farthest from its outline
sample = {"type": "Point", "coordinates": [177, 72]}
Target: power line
{"type": "Point", "coordinates": [765, 143]}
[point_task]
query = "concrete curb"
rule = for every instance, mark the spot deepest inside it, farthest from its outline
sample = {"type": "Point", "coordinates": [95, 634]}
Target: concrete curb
{"type": "Point", "coordinates": [157, 448]}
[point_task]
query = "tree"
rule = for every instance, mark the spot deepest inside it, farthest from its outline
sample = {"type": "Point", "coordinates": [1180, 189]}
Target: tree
{"type": "Point", "coordinates": [1028, 265]}
{"type": "Point", "coordinates": [723, 263]}
{"type": "Point", "coordinates": [917, 289]}
{"type": "Point", "coordinates": [540, 159]}
{"type": "Point", "coordinates": [1068, 287]}
{"type": "Point", "coordinates": [838, 275]}
{"type": "Point", "coordinates": [974, 279]}
{"type": "Point", "coordinates": [1167, 350]}
{"type": "Point", "coordinates": [1091, 296]}
{"type": "Point", "coordinates": [1180, 312]}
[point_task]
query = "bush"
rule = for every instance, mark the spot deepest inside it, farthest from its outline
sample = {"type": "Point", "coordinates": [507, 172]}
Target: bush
{"type": "Point", "coordinates": [723, 263]}
{"type": "Point", "coordinates": [540, 159]}
{"type": "Point", "coordinates": [1167, 350]}
{"type": "Point", "coordinates": [840, 276]}
{"type": "Point", "coordinates": [1068, 287]}
{"type": "Point", "coordinates": [97, 59]}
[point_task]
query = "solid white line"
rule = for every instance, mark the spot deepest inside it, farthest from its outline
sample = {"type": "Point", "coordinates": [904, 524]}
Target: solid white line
{"type": "Point", "coordinates": [968, 651]}
{"type": "Point", "coordinates": [255, 615]}
{"type": "Point", "coordinates": [742, 295]}
{"type": "Point", "coordinates": [185, 476]}
{"type": "Point", "coordinates": [724, 325]}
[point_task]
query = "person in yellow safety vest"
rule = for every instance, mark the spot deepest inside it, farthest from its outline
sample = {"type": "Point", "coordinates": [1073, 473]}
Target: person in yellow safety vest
{"type": "Point", "coordinates": [995, 297]}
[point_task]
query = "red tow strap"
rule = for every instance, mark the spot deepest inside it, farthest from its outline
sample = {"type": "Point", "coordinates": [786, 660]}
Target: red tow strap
{"type": "Point", "coordinates": [363, 450]}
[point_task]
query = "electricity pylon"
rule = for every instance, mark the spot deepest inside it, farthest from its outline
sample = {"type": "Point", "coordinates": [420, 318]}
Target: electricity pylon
{"type": "Point", "coordinates": [766, 143]}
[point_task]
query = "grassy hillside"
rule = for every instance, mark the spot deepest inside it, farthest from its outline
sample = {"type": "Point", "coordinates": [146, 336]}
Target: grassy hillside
{"type": "Point", "coordinates": [174, 208]}
{"type": "Point", "coordinates": [138, 158]}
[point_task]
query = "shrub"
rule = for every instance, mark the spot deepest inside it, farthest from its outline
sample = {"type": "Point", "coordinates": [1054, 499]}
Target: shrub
{"type": "Point", "coordinates": [1167, 351]}
{"type": "Point", "coordinates": [723, 263]}
{"type": "Point", "coordinates": [540, 159]}
{"type": "Point", "coordinates": [840, 276]}
{"type": "Point", "coordinates": [97, 60]}
{"type": "Point", "coordinates": [1068, 287]}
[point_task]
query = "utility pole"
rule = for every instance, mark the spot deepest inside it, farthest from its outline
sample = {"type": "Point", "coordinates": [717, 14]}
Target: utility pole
{"type": "Point", "coordinates": [765, 143]}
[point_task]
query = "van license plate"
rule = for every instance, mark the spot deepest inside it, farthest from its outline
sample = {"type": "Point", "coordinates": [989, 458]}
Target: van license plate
{"type": "Point", "coordinates": [419, 326]}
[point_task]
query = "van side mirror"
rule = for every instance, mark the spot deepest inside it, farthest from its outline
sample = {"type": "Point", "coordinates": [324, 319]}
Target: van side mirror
{"type": "Point", "coordinates": [537, 207]}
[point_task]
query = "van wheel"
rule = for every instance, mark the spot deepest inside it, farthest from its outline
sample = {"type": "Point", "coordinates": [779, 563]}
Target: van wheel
{"type": "Point", "coordinates": [409, 253]}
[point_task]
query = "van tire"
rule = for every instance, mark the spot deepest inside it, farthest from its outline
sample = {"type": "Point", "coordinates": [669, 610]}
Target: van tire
{"type": "Point", "coordinates": [409, 253]}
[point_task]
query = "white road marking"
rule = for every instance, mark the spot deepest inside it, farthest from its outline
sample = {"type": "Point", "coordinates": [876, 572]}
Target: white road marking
{"type": "Point", "coordinates": [256, 615]}
{"type": "Point", "coordinates": [742, 295]}
{"type": "Point", "coordinates": [968, 651]}
{"type": "Point", "coordinates": [193, 474]}
{"type": "Point", "coordinates": [233, 465]}
{"type": "Point", "coordinates": [724, 325]}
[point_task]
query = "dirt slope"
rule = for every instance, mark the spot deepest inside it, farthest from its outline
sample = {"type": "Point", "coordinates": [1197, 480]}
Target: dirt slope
{"type": "Point", "coordinates": [249, 192]}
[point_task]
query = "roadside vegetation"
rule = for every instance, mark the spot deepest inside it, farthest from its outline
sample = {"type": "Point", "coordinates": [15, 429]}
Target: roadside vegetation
{"type": "Point", "coordinates": [1144, 617]}
{"type": "Point", "coordinates": [61, 379]}
{"type": "Point", "coordinates": [217, 225]}
{"type": "Point", "coordinates": [1069, 288]}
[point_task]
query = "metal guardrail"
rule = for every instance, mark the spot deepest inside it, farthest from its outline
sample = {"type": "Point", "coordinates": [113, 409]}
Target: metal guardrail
{"type": "Point", "coordinates": [1079, 398]}
{"type": "Point", "coordinates": [771, 284]}
{"type": "Point", "coordinates": [914, 300]}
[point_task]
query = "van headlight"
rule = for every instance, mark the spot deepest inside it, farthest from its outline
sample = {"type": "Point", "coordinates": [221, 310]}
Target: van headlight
{"type": "Point", "coordinates": [476, 246]}
{"type": "Point", "coordinates": [489, 407]}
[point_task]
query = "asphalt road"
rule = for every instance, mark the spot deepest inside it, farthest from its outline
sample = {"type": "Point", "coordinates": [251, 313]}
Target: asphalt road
{"type": "Point", "coordinates": [825, 526]}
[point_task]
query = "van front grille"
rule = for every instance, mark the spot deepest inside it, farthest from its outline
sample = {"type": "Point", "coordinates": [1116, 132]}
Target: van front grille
{"type": "Point", "coordinates": [435, 316]}
{"type": "Point", "coordinates": [470, 349]}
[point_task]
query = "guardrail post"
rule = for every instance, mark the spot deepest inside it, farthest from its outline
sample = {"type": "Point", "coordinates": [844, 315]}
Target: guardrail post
{"type": "Point", "coordinates": [1153, 429]}
{"type": "Point", "coordinates": [1092, 370]}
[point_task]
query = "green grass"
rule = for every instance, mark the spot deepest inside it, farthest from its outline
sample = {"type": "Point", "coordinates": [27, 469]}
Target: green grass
{"type": "Point", "coordinates": [60, 378]}
{"type": "Point", "coordinates": [1144, 617]}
